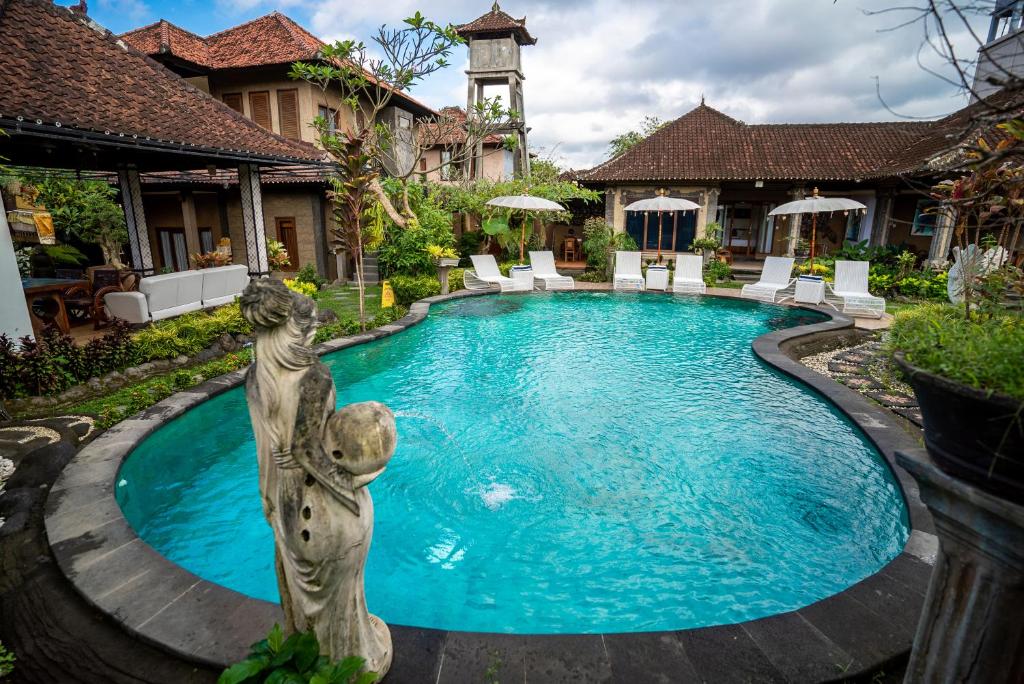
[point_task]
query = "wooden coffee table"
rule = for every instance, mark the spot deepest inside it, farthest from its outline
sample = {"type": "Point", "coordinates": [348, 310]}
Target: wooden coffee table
{"type": "Point", "coordinates": [48, 289]}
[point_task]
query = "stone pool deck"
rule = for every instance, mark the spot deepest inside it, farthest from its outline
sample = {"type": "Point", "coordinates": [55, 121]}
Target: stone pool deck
{"type": "Point", "coordinates": [860, 631]}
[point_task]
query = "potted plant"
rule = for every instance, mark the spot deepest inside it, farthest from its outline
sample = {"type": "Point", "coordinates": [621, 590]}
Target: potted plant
{"type": "Point", "coordinates": [968, 375]}
{"type": "Point", "coordinates": [443, 256]}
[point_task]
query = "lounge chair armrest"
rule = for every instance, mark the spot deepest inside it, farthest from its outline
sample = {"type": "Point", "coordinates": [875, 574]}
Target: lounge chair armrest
{"type": "Point", "coordinates": [128, 306]}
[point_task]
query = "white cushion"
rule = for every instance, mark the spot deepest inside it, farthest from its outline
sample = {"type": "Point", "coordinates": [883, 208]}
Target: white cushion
{"type": "Point", "coordinates": [222, 284]}
{"type": "Point", "coordinates": [173, 291]}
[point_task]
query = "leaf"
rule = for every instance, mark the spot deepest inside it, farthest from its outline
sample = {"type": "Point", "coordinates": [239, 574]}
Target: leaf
{"type": "Point", "coordinates": [495, 225]}
{"type": "Point", "coordinates": [307, 650]}
{"type": "Point", "coordinates": [275, 638]}
{"type": "Point", "coordinates": [240, 672]}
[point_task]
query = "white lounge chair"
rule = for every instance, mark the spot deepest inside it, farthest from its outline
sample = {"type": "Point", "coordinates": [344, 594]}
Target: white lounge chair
{"type": "Point", "coordinates": [776, 276]}
{"type": "Point", "coordinates": [689, 276]}
{"type": "Point", "coordinates": [543, 264]}
{"type": "Point", "coordinates": [851, 286]}
{"type": "Point", "coordinates": [485, 275]}
{"type": "Point", "coordinates": [628, 274]}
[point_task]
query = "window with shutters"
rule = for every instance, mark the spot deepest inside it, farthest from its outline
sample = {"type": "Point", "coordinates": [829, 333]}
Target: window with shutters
{"type": "Point", "coordinates": [233, 100]}
{"type": "Point", "coordinates": [259, 108]}
{"type": "Point", "coordinates": [288, 113]}
{"type": "Point", "coordinates": [330, 116]}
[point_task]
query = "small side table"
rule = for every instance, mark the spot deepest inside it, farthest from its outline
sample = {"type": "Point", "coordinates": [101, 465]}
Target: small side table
{"type": "Point", "coordinates": [809, 291]}
{"type": "Point", "coordinates": [523, 277]}
{"type": "Point", "coordinates": [657, 277]}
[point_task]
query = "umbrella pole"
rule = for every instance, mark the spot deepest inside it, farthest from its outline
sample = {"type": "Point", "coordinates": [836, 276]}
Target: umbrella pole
{"type": "Point", "coordinates": [814, 230]}
{"type": "Point", "coordinates": [659, 237]}
{"type": "Point", "coordinates": [522, 237]}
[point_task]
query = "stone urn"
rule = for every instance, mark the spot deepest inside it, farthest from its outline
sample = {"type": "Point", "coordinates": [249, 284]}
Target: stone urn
{"type": "Point", "coordinates": [444, 265]}
{"type": "Point", "coordinates": [975, 435]}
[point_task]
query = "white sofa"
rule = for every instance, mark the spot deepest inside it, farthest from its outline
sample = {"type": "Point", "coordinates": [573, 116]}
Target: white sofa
{"type": "Point", "coordinates": [173, 294]}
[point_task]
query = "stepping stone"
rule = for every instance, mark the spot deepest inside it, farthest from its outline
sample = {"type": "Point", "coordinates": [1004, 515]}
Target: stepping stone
{"type": "Point", "coordinates": [911, 414]}
{"type": "Point", "coordinates": [840, 368]}
{"type": "Point", "coordinates": [893, 399]}
{"type": "Point", "coordinates": [853, 357]}
{"type": "Point", "coordinates": [862, 382]}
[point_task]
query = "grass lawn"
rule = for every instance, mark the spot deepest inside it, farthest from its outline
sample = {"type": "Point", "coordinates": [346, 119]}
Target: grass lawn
{"type": "Point", "coordinates": [344, 300]}
{"type": "Point", "coordinates": [893, 306]}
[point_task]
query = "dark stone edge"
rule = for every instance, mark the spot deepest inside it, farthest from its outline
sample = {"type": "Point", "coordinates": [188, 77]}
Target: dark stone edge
{"type": "Point", "coordinates": [863, 627]}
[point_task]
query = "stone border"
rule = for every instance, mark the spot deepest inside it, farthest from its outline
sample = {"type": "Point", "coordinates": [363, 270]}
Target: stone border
{"type": "Point", "coordinates": [859, 629]}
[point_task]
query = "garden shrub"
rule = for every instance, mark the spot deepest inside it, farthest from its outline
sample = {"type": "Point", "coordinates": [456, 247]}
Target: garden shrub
{"type": "Point", "coordinates": [985, 352]}
{"type": "Point", "coordinates": [54, 362]}
{"type": "Point", "coordinates": [308, 274]}
{"type": "Point", "coordinates": [404, 250]}
{"type": "Point", "coordinates": [408, 288]}
{"type": "Point", "coordinates": [302, 287]}
{"type": "Point", "coordinates": [456, 279]}
{"type": "Point", "coordinates": [189, 334]}
{"type": "Point", "coordinates": [600, 242]}
{"type": "Point", "coordinates": [715, 271]}
{"type": "Point", "coordinates": [350, 326]}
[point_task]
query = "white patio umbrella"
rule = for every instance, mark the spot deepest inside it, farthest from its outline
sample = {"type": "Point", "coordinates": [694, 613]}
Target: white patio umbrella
{"type": "Point", "coordinates": [527, 203]}
{"type": "Point", "coordinates": [814, 205]}
{"type": "Point", "coordinates": [660, 204]}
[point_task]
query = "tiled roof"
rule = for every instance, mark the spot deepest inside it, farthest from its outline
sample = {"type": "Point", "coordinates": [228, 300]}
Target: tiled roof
{"type": "Point", "coordinates": [453, 135]}
{"type": "Point", "coordinates": [267, 40]}
{"type": "Point", "coordinates": [498, 21]}
{"type": "Point", "coordinates": [705, 144]}
{"type": "Point", "coordinates": [270, 39]}
{"type": "Point", "coordinates": [65, 74]}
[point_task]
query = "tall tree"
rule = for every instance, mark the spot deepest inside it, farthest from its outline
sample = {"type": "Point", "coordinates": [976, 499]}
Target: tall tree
{"type": "Point", "coordinates": [621, 144]}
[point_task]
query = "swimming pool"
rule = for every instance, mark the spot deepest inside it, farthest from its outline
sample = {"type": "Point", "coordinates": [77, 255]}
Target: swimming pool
{"type": "Point", "coordinates": [567, 463]}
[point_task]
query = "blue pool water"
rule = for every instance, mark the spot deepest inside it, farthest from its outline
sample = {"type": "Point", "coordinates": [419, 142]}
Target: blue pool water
{"type": "Point", "coordinates": [566, 463]}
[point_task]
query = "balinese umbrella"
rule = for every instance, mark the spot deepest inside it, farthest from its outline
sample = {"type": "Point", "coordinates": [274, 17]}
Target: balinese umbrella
{"type": "Point", "coordinates": [527, 203]}
{"type": "Point", "coordinates": [814, 205]}
{"type": "Point", "coordinates": [661, 203]}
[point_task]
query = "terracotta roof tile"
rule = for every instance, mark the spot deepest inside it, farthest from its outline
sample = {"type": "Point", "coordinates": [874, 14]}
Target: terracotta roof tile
{"type": "Point", "coordinates": [705, 144]}
{"type": "Point", "coordinates": [163, 37]}
{"type": "Point", "coordinates": [498, 21]}
{"type": "Point", "coordinates": [61, 69]}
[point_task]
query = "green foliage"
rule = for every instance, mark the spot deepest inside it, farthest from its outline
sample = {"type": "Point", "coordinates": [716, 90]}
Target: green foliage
{"type": "Point", "coordinates": [456, 279]}
{"type": "Point", "coordinates": [470, 243]}
{"type": "Point", "coordinates": [308, 274]}
{"type": "Point", "coordinates": [308, 289]}
{"type": "Point", "coordinates": [294, 660]}
{"type": "Point", "coordinates": [715, 271]}
{"type": "Point", "coordinates": [984, 353]}
{"type": "Point", "coordinates": [114, 407]}
{"type": "Point", "coordinates": [347, 325]}
{"type": "Point", "coordinates": [7, 660]}
{"type": "Point", "coordinates": [472, 199]}
{"type": "Point", "coordinates": [409, 289]}
{"type": "Point", "coordinates": [86, 209]}
{"type": "Point", "coordinates": [621, 144]}
{"type": "Point", "coordinates": [190, 333]}
{"type": "Point", "coordinates": [54, 362]}
{"type": "Point", "coordinates": [600, 242]}
{"type": "Point", "coordinates": [592, 277]}
{"type": "Point", "coordinates": [404, 250]}
{"type": "Point", "coordinates": [65, 255]}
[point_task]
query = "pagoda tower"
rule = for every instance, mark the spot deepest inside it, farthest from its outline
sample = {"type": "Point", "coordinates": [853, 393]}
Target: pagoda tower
{"type": "Point", "coordinates": [494, 41]}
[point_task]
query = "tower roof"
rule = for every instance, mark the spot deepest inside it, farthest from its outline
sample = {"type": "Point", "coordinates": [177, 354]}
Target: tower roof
{"type": "Point", "coordinates": [497, 22]}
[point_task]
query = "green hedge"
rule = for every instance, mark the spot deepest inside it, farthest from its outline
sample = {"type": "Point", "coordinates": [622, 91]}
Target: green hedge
{"type": "Point", "coordinates": [410, 288]}
{"type": "Point", "coordinates": [189, 334]}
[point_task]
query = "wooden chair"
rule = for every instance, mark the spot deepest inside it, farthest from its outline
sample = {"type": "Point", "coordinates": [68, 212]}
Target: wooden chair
{"type": "Point", "coordinates": [569, 250]}
{"type": "Point", "coordinates": [84, 302]}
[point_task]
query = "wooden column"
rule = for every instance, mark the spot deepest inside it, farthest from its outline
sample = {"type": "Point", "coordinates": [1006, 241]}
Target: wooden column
{"type": "Point", "coordinates": [252, 220]}
{"type": "Point", "coordinates": [141, 254]}
{"type": "Point", "coordinates": [190, 223]}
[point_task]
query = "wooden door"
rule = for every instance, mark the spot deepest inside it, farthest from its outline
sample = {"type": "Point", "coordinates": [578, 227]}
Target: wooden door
{"type": "Point", "coordinates": [287, 236]}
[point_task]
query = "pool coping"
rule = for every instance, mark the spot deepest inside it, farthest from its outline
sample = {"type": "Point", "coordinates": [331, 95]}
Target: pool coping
{"type": "Point", "coordinates": [860, 628]}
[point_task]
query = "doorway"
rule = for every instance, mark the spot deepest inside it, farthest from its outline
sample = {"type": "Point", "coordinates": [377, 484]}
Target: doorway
{"type": "Point", "coordinates": [287, 236]}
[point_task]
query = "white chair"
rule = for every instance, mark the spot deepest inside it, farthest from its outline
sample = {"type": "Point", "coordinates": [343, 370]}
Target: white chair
{"type": "Point", "coordinates": [851, 286]}
{"type": "Point", "coordinates": [485, 275]}
{"type": "Point", "coordinates": [543, 264]}
{"type": "Point", "coordinates": [628, 274]}
{"type": "Point", "coordinates": [689, 276]}
{"type": "Point", "coordinates": [776, 276]}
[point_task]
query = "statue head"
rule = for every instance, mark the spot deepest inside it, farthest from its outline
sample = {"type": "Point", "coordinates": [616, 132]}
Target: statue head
{"type": "Point", "coordinates": [285, 322]}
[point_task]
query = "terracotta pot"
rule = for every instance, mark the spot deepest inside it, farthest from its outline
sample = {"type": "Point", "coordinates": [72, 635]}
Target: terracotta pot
{"type": "Point", "coordinates": [971, 434]}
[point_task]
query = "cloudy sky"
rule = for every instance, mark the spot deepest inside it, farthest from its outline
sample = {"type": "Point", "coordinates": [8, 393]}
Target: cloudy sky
{"type": "Point", "coordinates": [601, 66]}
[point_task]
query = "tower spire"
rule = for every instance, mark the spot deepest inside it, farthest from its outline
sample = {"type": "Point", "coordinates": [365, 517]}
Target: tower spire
{"type": "Point", "coordinates": [495, 7]}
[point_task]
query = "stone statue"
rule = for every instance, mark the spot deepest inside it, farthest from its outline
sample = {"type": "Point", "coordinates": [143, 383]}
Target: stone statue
{"type": "Point", "coordinates": [314, 465]}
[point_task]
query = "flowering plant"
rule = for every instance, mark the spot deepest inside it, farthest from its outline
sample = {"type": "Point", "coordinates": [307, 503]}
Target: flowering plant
{"type": "Point", "coordinates": [308, 289]}
{"type": "Point", "coordinates": [439, 252]}
{"type": "Point", "coordinates": [277, 255]}
{"type": "Point", "coordinates": [211, 259]}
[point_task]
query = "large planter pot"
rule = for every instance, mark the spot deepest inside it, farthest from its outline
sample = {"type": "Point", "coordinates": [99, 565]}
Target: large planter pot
{"type": "Point", "coordinates": [971, 434]}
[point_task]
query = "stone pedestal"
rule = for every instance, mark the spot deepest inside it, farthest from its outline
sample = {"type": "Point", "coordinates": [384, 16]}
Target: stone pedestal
{"type": "Point", "coordinates": [972, 627]}
{"type": "Point", "coordinates": [443, 266]}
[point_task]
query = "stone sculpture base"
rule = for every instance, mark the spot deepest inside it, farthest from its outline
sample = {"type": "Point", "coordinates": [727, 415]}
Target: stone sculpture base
{"type": "Point", "coordinates": [972, 627]}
